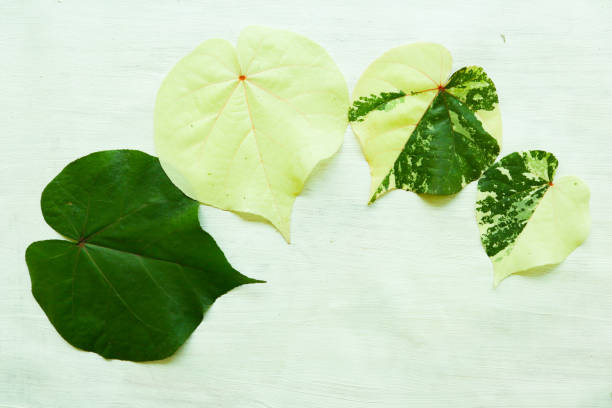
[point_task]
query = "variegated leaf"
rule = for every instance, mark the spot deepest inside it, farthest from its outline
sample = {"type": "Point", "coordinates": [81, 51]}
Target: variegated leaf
{"type": "Point", "coordinates": [420, 131]}
{"type": "Point", "coordinates": [525, 219]}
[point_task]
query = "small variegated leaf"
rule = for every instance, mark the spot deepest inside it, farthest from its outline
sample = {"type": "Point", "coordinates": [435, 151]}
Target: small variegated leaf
{"type": "Point", "coordinates": [421, 131]}
{"type": "Point", "coordinates": [526, 220]}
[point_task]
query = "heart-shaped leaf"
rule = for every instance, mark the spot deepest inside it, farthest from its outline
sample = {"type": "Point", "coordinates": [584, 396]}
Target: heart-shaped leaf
{"type": "Point", "coordinates": [419, 131]}
{"type": "Point", "coordinates": [241, 129]}
{"type": "Point", "coordinates": [138, 272]}
{"type": "Point", "coordinates": [525, 219]}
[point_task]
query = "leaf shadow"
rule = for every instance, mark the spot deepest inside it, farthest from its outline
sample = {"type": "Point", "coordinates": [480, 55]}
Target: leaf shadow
{"type": "Point", "coordinates": [240, 214]}
{"type": "Point", "coordinates": [175, 356]}
{"type": "Point", "coordinates": [437, 200]}
{"type": "Point", "coordinates": [538, 271]}
{"type": "Point", "coordinates": [178, 354]}
{"type": "Point", "coordinates": [315, 175]}
{"type": "Point", "coordinates": [319, 170]}
{"type": "Point", "coordinates": [533, 273]}
{"type": "Point", "coordinates": [252, 217]}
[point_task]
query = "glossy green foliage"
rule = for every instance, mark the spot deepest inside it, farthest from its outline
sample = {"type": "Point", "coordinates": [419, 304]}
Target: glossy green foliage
{"type": "Point", "coordinates": [136, 273]}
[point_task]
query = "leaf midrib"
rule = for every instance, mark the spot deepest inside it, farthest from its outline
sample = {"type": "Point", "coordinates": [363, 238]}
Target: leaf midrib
{"type": "Point", "coordinates": [86, 244]}
{"type": "Point", "coordinates": [116, 292]}
{"type": "Point", "coordinates": [439, 94]}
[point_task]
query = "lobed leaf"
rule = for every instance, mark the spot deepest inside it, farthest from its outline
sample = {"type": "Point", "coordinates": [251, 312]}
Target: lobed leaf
{"type": "Point", "coordinates": [420, 131]}
{"type": "Point", "coordinates": [525, 219]}
{"type": "Point", "coordinates": [137, 272]}
{"type": "Point", "coordinates": [242, 129]}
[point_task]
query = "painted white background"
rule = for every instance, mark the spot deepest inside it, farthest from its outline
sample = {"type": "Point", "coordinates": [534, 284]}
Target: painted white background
{"type": "Point", "coordinates": [383, 306]}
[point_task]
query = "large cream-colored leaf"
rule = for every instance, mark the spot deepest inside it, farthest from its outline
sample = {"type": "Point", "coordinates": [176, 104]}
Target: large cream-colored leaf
{"type": "Point", "coordinates": [241, 129]}
{"type": "Point", "coordinates": [399, 94]}
{"type": "Point", "coordinates": [525, 219]}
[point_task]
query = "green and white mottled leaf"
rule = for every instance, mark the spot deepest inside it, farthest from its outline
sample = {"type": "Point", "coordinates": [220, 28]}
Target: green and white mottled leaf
{"type": "Point", "coordinates": [385, 101]}
{"type": "Point", "coordinates": [525, 219]}
{"type": "Point", "coordinates": [242, 128]}
{"type": "Point", "coordinates": [137, 272]}
{"type": "Point", "coordinates": [421, 130]}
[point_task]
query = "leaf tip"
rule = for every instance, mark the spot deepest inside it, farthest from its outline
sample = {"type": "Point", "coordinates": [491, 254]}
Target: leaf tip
{"type": "Point", "coordinates": [498, 277]}
{"type": "Point", "coordinates": [285, 230]}
{"type": "Point", "coordinates": [286, 236]}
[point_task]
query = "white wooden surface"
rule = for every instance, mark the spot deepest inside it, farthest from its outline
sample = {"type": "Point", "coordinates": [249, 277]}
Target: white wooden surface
{"type": "Point", "coordinates": [382, 306]}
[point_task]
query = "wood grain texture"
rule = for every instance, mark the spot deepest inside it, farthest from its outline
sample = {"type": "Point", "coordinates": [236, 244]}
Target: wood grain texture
{"type": "Point", "coordinates": [383, 306]}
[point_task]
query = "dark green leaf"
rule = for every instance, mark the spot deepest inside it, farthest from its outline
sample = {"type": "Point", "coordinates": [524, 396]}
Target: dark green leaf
{"type": "Point", "coordinates": [137, 272]}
